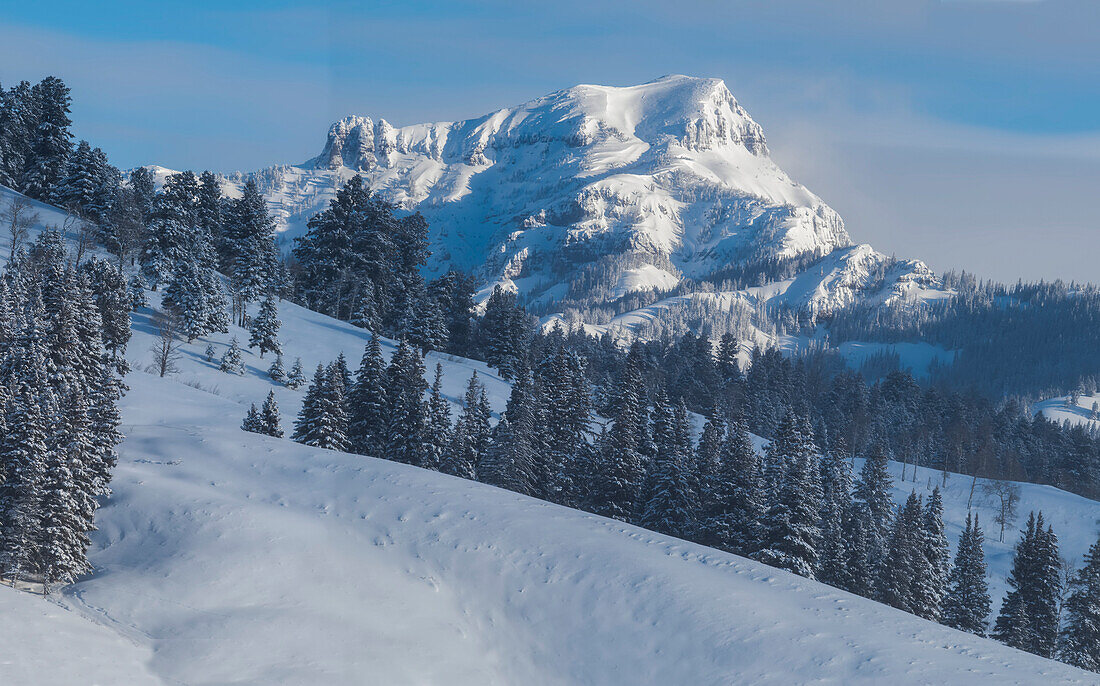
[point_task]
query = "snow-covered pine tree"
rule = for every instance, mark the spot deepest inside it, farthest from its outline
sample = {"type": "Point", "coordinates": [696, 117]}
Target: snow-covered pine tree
{"type": "Point", "coordinates": [966, 604]}
{"type": "Point", "coordinates": [471, 433]}
{"type": "Point", "coordinates": [438, 435]}
{"type": "Point", "coordinates": [668, 504]}
{"type": "Point", "coordinates": [405, 388]}
{"type": "Point", "coordinates": [1079, 643]}
{"type": "Point", "coordinates": [172, 229]}
{"type": "Point", "coordinates": [210, 353]}
{"type": "Point", "coordinates": [112, 300]}
{"type": "Point", "coordinates": [269, 422]}
{"type": "Point", "coordinates": [276, 372]}
{"type": "Point", "coordinates": [707, 467]}
{"type": "Point", "coordinates": [23, 449]}
{"type": "Point", "coordinates": [930, 581]}
{"type": "Point", "coordinates": [561, 377]}
{"type": "Point", "coordinates": [68, 498]}
{"type": "Point", "coordinates": [873, 488]}
{"type": "Point", "coordinates": [735, 523]}
{"type": "Point", "coordinates": [231, 362]}
{"type": "Point", "coordinates": [321, 421]}
{"type": "Point", "coordinates": [185, 297]}
{"type": "Point", "coordinates": [508, 461]}
{"type": "Point", "coordinates": [616, 485]}
{"type": "Point", "coordinates": [136, 288]}
{"type": "Point", "coordinates": [76, 190]}
{"type": "Point", "coordinates": [264, 329]}
{"type": "Point", "coordinates": [858, 537]}
{"type": "Point", "coordinates": [48, 154]}
{"type": "Point", "coordinates": [836, 482]}
{"type": "Point", "coordinates": [1029, 619]}
{"type": "Point", "coordinates": [251, 421]}
{"type": "Point", "coordinates": [365, 315]}
{"type": "Point", "coordinates": [368, 409]}
{"type": "Point", "coordinates": [342, 373]}
{"type": "Point", "coordinates": [729, 370]}
{"type": "Point", "coordinates": [791, 532]}
{"type": "Point", "coordinates": [904, 558]}
{"type": "Point", "coordinates": [296, 377]}
{"type": "Point", "coordinates": [249, 244]}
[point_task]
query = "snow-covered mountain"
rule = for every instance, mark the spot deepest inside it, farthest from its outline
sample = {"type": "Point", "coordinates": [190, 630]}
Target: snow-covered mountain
{"type": "Point", "coordinates": [592, 192]}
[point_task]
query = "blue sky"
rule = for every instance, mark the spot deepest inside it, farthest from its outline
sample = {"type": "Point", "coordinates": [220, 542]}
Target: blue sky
{"type": "Point", "coordinates": [962, 132]}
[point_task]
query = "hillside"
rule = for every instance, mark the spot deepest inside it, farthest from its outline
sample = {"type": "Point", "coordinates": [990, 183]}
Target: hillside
{"type": "Point", "coordinates": [236, 558]}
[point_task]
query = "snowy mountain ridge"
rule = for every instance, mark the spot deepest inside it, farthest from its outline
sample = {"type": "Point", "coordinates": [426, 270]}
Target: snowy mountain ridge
{"type": "Point", "coordinates": [593, 192]}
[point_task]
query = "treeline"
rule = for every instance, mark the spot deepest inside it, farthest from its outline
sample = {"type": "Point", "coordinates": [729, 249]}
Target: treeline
{"type": "Point", "coordinates": [1028, 339]}
{"type": "Point", "coordinates": [64, 327]}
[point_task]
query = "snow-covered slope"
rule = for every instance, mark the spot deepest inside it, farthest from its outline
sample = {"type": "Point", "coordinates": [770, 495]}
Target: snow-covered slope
{"type": "Point", "coordinates": [237, 558]}
{"type": "Point", "coordinates": [621, 189]}
{"type": "Point", "coordinates": [1085, 411]}
{"type": "Point", "coordinates": [47, 645]}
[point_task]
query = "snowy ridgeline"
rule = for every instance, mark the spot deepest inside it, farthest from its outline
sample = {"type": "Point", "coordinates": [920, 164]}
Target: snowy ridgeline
{"type": "Point", "coordinates": [233, 557]}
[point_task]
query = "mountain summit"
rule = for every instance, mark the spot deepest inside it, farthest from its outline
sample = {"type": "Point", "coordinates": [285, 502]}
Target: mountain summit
{"type": "Point", "coordinates": [589, 194]}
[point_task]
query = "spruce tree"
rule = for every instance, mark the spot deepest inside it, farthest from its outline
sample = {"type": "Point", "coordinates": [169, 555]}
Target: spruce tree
{"type": "Point", "coordinates": [276, 372]}
{"type": "Point", "coordinates": [1029, 619]}
{"type": "Point", "coordinates": [966, 605]}
{"type": "Point", "coordinates": [668, 504]}
{"type": "Point", "coordinates": [904, 558]}
{"type": "Point", "coordinates": [791, 533]}
{"type": "Point", "coordinates": [49, 152]}
{"type": "Point", "coordinates": [616, 485]}
{"type": "Point", "coordinates": [471, 434]}
{"type": "Point", "coordinates": [405, 394]}
{"type": "Point", "coordinates": [1080, 638]}
{"type": "Point", "coordinates": [264, 329]}
{"type": "Point", "coordinates": [251, 421]}
{"type": "Point", "coordinates": [368, 409]}
{"type": "Point", "coordinates": [269, 421]}
{"type": "Point", "coordinates": [438, 435]}
{"type": "Point", "coordinates": [231, 362]}
{"type": "Point", "coordinates": [930, 580]}
{"type": "Point", "coordinates": [321, 422]}
{"type": "Point", "coordinates": [295, 378]}
{"type": "Point", "coordinates": [836, 481]}
{"type": "Point", "coordinates": [739, 506]}
{"type": "Point", "coordinates": [873, 488]}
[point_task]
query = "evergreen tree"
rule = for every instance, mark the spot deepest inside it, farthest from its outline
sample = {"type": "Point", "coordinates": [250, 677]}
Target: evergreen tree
{"type": "Point", "coordinates": [438, 435]}
{"type": "Point", "coordinates": [49, 153]}
{"type": "Point", "coordinates": [1080, 638]}
{"type": "Point", "coordinates": [276, 371]}
{"type": "Point", "coordinates": [668, 502]}
{"type": "Point", "coordinates": [616, 485]}
{"type": "Point", "coordinates": [249, 254]}
{"type": "Point", "coordinates": [873, 488]}
{"type": "Point", "coordinates": [136, 288]}
{"type": "Point", "coordinates": [405, 394]}
{"type": "Point", "coordinates": [966, 605]}
{"type": "Point", "coordinates": [321, 422]}
{"type": "Point", "coordinates": [791, 525]}
{"type": "Point", "coordinates": [296, 377]}
{"type": "Point", "coordinates": [368, 409]}
{"type": "Point", "coordinates": [904, 558]}
{"type": "Point", "coordinates": [231, 362]}
{"type": "Point", "coordinates": [270, 422]}
{"type": "Point", "coordinates": [836, 481]}
{"type": "Point", "coordinates": [471, 434]}
{"type": "Point", "coordinates": [858, 537]}
{"type": "Point", "coordinates": [739, 502]}
{"type": "Point", "coordinates": [508, 460]}
{"type": "Point", "coordinates": [1029, 617]}
{"type": "Point", "coordinates": [76, 191]}
{"type": "Point", "coordinates": [251, 421]}
{"type": "Point", "coordinates": [930, 579]}
{"type": "Point", "coordinates": [68, 499]}
{"type": "Point", "coordinates": [264, 330]}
